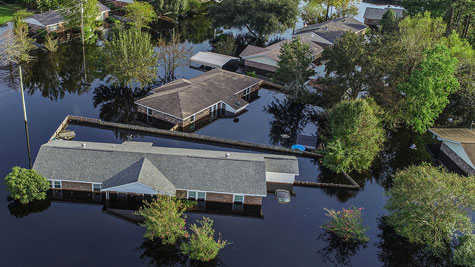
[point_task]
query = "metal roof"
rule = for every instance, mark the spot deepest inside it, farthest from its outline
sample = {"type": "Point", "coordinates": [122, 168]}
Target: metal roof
{"type": "Point", "coordinates": [211, 59]}
{"type": "Point", "coordinates": [164, 169]}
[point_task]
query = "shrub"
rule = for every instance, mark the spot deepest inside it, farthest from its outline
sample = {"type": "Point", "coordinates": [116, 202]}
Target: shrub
{"type": "Point", "coordinates": [202, 245]}
{"type": "Point", "coordinates": [251, 74]}
{"type": "Point", "coordinates": [26, 185]}
{"type": "Point", "coordinates": [164, 219]}
{"type": "Point", "coordinates": [346, 224]}
{"type": "Point", "coordinates": [464, 254]}
{"type": "Point", "coordinates": [51, 44]}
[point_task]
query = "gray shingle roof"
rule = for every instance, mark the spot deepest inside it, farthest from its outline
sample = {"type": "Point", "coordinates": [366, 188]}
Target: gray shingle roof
{"type": "Point", "coordinates": [185, 97]}
{"type": "Point", "coordinates": [377, 13]}
{"type": "Point", "coordinates": [164, 169]}
{"type": "Point", "coordinates": [331, 30]}
{"type": "Point", "coordinates": [49, 17]}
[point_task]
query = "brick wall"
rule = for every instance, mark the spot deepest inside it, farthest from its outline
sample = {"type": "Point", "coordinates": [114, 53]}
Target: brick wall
{"type": "Point", "coordinates": [158, 116]}
{"type": "Point", "coordinates": [214, 197]}
{"type": "Point", "coordinates": [252, 200]}
{"type": "Point", "coordinates": [76, 186]}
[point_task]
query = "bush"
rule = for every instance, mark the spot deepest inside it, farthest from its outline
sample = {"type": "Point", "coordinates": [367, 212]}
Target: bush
{"type": "Point", "coordinates": [164, 219]}
{"type": "Point", "coordinates": [202, 245]}
{"type": "Point", "coordinates": [464, 254]}
{"type": "Point", "coordinates": [347, 225]}
{"type": "Point", "coordinates": [26, 185]}
{"type": "Point", "coordinates": [51, 44]}
{"type": "Point", "coordinates": [251, 74]}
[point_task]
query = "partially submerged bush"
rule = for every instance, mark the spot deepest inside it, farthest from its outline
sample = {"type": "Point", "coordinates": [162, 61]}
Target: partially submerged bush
{"type": "Point", "coordinates": [26, 185]}
{"type": "Point", "coordinates": [346, 224]}
{"type": "Point", "coordinates": [51, 44]}
{"type": "Point", "coordinates": [165, 219]}
{"type": "Point", "coordinates": [202, 245]}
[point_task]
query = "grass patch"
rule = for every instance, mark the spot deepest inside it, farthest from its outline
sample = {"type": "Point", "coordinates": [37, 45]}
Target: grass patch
{"type": "Point", "coordinates": [6, 12]}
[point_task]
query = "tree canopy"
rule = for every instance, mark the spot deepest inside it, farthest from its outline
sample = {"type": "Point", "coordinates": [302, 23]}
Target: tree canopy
{"type": "Point", "coordinates": [26, 185]}
{"type": "Point", "coordinates": [141, 13]}
{"type": "Point", "coordinates": [293, 68]}
{"type": "Point", "coordinates": [430, 206]}
{"type": "Point", "coordinates": [357, 136]}
{"type": "Point", "coordinates": [130, 56]}
{"type": "Point", "coordinates": [428, 88]}
{"type": "Point", "coordinates": [260, 17]}
{"type": "Point", "coordinates": [164, 7]}
{"type": "Point", "coordinates": [73, 17]}
{"type": "Point", "coordinates": [337, 8]}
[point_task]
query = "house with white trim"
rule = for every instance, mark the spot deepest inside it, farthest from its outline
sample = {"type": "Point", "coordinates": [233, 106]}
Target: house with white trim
{"type": "Point", "coordinates": [185, 102]}
{"type": "Point", "coordinates": [140, 168]}
{"type": "Point", "coordinates": [457, 150]}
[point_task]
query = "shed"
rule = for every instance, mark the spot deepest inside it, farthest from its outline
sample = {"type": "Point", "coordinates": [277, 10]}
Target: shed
{"type": "Point", "coordinates": [211, 60]}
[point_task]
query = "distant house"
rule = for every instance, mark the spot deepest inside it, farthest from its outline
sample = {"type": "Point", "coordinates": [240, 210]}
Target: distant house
{"type": "Point", "coordinates": [186, 101]}
{"type": "Point", "coordinates": [326, 33]}
{"type": "Point", "coordinates": [457, 151]}
{"type": "Point", "coordinates": [373, 16]}
{"type": "Point", "coordinates": [53, 21]}
{"type": "Point", "coordinates": [264, 60]}
{"type": "Point", "coordinates": [140, 168]}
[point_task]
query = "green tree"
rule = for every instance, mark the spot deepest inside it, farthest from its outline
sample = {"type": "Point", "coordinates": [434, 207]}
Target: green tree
{"type": "Point", "coordinates": [130, 56]}
{"type": "Point", "coordinates": [20, 15]}
{"type": "Point", "coordinates": [464, 254]}
{"type": "Point", "coordinates": [202, 246]}
{"type": "Point", "coordinates": [165, 7]}
{"type": "Point", "coordinates": [141, 13]}
{"type": "Point", "coordinates": [260, 17]}
{"type": "Point", "coordinates": [26, 185]}
{"type": "Point", "coordinates": [428, 88]}
{"type": "Point", "coordinates": [357, 136]}
{"type": "Point", "coordinates": [165, 219]}
{"type": "Point", "coordinates": [312, 13]}
{"type": "Point", "coordinates": [226, 45]}
{"type": "Point", "coordinates": [389, 22]}
{"type": "Point", "coordinates": [430, 206]}
{"type": "Point", "coordinates": [73, 17]}
{"type": "Point", "coordinates": [343, 8]}
{"type": "Point", "coordinates": [293, 68]}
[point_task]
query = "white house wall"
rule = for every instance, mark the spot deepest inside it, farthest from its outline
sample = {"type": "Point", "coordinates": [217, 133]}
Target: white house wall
{"type": "Point", "coordinates": [457, 148]}
{"type": "Point", "coordinates": [274, 177]}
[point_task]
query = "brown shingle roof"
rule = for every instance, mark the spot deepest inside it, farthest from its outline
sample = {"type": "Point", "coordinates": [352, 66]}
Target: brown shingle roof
{"type": "Point", "coordinates": [333, 29]}
{"type": "Point", "coordinates": [462, 135]}
{"type": "Point", "coordinates": [183, 98]}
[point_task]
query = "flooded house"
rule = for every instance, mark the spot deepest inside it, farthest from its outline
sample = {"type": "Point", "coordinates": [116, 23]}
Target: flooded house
{"type": "Point", "coordinates": [138, 168]}
{"type": "Point", "coordinates": [208, 60]}
{"type": "Point", "coordinates": [373, 16]}
{"type": "Point", "coordinates": [457, 149]}
{"type": "Point", "coordinates": [53, 20]}
{"type": "Point", "coordinates": [264, 60]}
{"type": "Point", "coordinates": [326, 33]}
{"type": "Point", "coordinates": [188, 103]}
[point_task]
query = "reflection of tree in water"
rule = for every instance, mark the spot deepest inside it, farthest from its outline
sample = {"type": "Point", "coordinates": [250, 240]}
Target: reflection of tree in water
{"type": "Point", "coordinates": [117, 104]}
{"type": "Point", "coordinates": [290, 118]}
{"type": "Point", "coordinates": [56, 74]}
{"type": "Point", "coordinates": [157, 254]}
{"type": "Point", "coordinates": [10, 76]}
{"type": "Point", "coordinates": [395, 250]}
{"type": "Point", "coordinates": [337, 252]}
{"type": "Point", "coordinates": [22, 210]}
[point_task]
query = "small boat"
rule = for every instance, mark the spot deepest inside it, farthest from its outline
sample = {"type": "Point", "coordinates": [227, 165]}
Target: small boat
{"type": "Point", "coordinates": [298, 147]}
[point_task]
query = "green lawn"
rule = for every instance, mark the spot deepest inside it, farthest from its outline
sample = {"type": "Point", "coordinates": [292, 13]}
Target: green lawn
{"type": "Point", "coordinates": [6, 12]}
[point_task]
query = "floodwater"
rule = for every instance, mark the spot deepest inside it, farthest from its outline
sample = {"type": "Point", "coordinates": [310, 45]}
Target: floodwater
{"type": "Point", "coordinates": [81, 234]}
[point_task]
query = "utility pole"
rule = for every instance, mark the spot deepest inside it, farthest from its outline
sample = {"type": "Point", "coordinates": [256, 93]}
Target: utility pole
{"type": "Point", "coordinates": [24, 115]}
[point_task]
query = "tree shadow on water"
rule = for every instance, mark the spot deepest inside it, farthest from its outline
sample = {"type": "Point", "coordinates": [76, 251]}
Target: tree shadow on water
{"type": "Point", "coordinates": [156, 254]}
{"type": "Point", "coordinates": [338, 252]}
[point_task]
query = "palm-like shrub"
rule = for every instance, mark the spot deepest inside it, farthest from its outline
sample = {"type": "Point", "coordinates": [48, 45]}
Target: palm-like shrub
{"type": "Point", "coordinates": [346, 224]}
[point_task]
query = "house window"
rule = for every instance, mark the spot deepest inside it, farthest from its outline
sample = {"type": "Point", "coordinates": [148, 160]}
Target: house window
{"type": "Point", "coordinates": [197, 195]}
{"type": "Point", "coordinates": [96, 187]}
{"type": "Point", "coordinates": [53, 27]}
{"type": "Point", "coordinates": [50, 184]}
{"type": "Point", "coordinates": [57, 184]}
{"type": "Point", "coordinates": [238, 199]}
{"type": "Point", "coordinates": [192, 119]}
{"type": "Point", "coordinates": [247, 91]}
{"type": "Point", "coordinates": [149, 115]}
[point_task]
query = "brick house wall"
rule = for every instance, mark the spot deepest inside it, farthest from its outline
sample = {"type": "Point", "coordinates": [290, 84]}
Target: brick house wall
{"type": "Point", "coordinates": [214, 197]}
{"type": "Point", "coordinates": [252, 200]}
{"type": "Point", "coordinates": [223, 198]}
{"type": "Point", "coordinates": [76, 186]}
{"type": "Point", "coordinates": [372, 22]}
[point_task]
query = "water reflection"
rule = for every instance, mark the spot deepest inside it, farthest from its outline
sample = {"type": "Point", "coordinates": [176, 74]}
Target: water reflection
{"type": "Point", "coordinates": [290, 118]}
{"type": "Point", "coordinates": [395, 250]}
{"type": "Point", "coordinates": [337, 252]}
{"type": "Point", "coordinates": [58, 73]}
{"type": "Point", "coordinates": [22, 210]}
{"type": "Point", "coordinates": [195, 29]}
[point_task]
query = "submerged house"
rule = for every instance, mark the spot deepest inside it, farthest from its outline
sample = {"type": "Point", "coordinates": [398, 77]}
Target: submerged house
{"type": "Point", "coordinates": [457, 150]}
{"type": "Point", "coordinates": [184, 102]}
{"type": "Point", "coordinates": [264, 60]}
{"type": "Point", "coordinates": [209, 60]}
{"type": "Point", "coordinates": [140, 168]}
{"type": "Point", "coordinates": [53, 21]}
{"type": "Point", "coordinates": [373, 16]}
{"type": "Point", "coordinates": [326, 33]}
